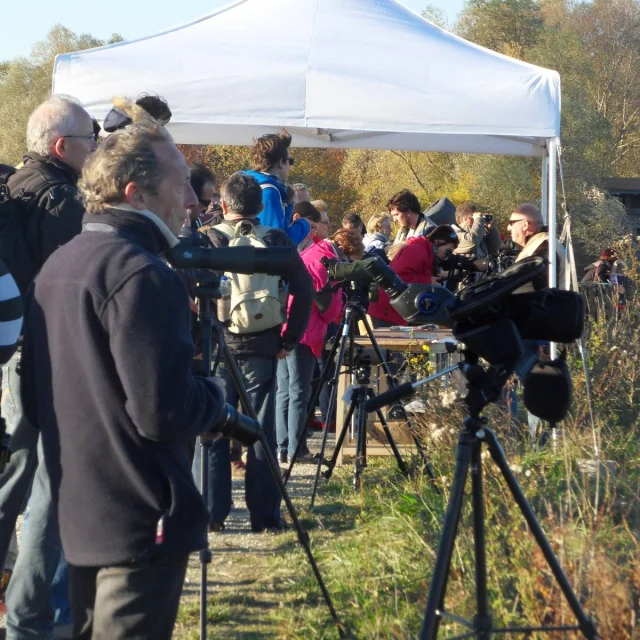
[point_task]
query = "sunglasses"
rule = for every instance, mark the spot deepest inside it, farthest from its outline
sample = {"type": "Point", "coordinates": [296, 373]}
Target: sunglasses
{"type": "Point", "coordinates": [514, 221]}
{"type": "Point", "coordinates": [290, 160]}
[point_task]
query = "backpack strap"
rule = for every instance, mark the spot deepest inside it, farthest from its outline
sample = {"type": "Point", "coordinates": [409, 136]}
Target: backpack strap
{"type": "Point", "coordinates": [226, 229]}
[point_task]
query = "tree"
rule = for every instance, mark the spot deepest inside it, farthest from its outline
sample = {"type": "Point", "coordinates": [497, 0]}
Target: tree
{"type": "Point", "coordinates": [435, 15]}
{"type": "Point", "coordinates": [26, 82]}
{"type": "Point", "coordinates": [508, 26]}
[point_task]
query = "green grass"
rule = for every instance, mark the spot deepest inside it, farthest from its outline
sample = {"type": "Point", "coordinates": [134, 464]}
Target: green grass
{"type": "Point", "coordinates": [376, 548]}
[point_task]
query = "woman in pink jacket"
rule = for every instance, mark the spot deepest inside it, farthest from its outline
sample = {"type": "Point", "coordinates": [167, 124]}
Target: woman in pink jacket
{"type": "Point", "coordinates": [296, 370]}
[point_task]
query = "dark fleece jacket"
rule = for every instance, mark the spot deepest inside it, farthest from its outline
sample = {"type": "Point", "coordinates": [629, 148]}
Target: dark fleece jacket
{"type": "Point", "coordinates": [107, 379]}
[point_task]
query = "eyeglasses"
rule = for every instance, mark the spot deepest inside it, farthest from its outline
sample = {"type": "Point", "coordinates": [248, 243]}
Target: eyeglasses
{"type": "Point", "coordinates": [514, 221]}
{"type": "Point", "coordinates": [91, 136]}
{"type": "Point", "coordinates": [290, 160]}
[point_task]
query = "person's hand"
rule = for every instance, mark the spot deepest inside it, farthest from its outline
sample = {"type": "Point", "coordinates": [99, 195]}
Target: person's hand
{"type": "Point", "coordinates": [290, 194]}
{"type": "Point", "coordinates": [283, 354]}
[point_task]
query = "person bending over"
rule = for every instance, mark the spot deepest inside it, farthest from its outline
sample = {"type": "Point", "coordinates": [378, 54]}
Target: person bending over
{"type": "Point", "coordinates": [415, 262]}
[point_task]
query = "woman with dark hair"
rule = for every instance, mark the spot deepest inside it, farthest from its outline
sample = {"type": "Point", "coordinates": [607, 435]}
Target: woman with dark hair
{"type": "Point", "coordinates": [414, 261]}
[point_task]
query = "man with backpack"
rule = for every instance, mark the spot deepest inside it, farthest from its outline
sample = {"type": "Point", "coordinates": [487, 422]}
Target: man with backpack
{"type": "Point", "coordinates": [43, 212]}
{"type": "Point", "coordinates": [272, 164]}
{"type": "Point", "coordinates": [253, 313]}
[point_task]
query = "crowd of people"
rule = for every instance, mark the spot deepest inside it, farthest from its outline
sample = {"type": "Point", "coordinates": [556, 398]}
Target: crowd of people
{"type": "Point", "coordinates": [102, 400]}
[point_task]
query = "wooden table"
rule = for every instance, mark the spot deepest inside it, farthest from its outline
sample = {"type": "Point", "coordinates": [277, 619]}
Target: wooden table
{"type": "Point", "coordinates": [397, 341]}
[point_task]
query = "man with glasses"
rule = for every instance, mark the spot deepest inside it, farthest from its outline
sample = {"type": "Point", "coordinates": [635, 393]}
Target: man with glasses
{"type": "Point", "coordinates": [527, 230]}
{"type": "Point", "coordinates": [272, 164]}
{"type": "Point", "coordinates": [60, 137]}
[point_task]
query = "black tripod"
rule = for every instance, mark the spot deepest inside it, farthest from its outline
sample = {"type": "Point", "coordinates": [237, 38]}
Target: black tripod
{"type": "Point", "coordinates": [359, 397]}
{"type": "Point", "coordinates": [346, 335]}
{"type": "Point", "coordinates": [208, 288]}
{"type": "Point", "coordinates": [483, 388]}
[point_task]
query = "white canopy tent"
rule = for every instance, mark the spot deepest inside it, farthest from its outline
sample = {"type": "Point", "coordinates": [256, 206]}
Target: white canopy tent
{"type": "Point", "coordinates": [336, 73]}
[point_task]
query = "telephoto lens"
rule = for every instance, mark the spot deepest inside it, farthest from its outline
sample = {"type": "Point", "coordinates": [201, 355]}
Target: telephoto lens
{"type": "Point", "coordinates": [237, 426]}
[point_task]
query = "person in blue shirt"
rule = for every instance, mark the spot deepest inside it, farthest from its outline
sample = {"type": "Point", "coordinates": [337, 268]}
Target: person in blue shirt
{"type": "Point", "coordinates": [272, 164]}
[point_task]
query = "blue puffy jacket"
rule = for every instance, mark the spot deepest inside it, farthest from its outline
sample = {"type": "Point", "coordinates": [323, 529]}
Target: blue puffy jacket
{"type": "Point", "coordinates": [275, 213]}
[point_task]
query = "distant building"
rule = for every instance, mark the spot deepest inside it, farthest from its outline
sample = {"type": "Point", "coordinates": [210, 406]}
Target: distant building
{"type": "Point", "coordinates": [627, 190]}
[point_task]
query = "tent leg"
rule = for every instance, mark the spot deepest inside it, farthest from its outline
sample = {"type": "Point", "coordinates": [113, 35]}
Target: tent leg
{"type": "Point", "coordinates": [544, 197]}
{"type": "Point", "coordinates": [553, 241]}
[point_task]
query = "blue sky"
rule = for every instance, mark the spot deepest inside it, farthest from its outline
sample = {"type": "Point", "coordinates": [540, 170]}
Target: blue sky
{"type": "Point", "coordinates": [31, 19]}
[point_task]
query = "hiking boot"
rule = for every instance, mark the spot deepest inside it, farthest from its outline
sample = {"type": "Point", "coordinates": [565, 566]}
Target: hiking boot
{"type": "Point", "coordinates": [216, 527]}
{"type": "Point", "coordinates": [308, 458]}
{"type": "Point", "coordinates": [282, 457]}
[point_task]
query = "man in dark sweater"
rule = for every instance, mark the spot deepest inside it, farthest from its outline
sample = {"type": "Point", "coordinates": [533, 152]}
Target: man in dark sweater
{"type": "Point", "coordinates": [107, 379]}
{"type": "Point", "coordinates": [256, 353]}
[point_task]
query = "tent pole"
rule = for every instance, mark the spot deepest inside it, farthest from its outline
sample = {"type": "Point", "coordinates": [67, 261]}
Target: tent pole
{"type": "Point", "coordinates": [545, 188]}
{"type": "Point", "coordinates": [553, 241]}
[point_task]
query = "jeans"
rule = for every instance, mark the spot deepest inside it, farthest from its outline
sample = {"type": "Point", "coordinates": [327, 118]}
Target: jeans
{"type": "Point", "coordinates": [30, 596]}
{"type": "Point", "coordinates": [292, 397]}
{"type": "Point", "coordinates": [261, 490]}
{"type": "Point", "coordinates": [15, 480]}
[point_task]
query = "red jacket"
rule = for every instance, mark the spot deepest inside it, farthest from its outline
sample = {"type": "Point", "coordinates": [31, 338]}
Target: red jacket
{"type": "Point", "coordinates": [414, 264]}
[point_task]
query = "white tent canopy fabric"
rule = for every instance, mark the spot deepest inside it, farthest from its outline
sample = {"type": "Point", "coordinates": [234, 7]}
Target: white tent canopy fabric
{"type": "Point", "coordinates": [336, 73]}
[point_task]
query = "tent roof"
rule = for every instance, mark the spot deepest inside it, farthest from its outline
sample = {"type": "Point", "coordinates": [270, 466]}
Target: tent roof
{"type": "Point", "coordinates": [336, 73]}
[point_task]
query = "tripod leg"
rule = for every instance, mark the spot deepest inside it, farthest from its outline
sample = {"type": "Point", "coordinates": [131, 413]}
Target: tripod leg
{"type": "Point", "coordinates": [331, 464]}
{"type": "Point", "coordinates": [325, 377]}
{"type": "Point", "coordinates": [302, 535]}
{"type": "Point", "coordinates": [360, 459]}
{"type": "Point", "coordinates": [392, 383]}
{"type": "Point", "coordinates": [247, 407]}
{"type": "Point", "coordinates": [437, 590]}
{"type": "Point", "coordinates": [346, 326]}
{"type": "Point", "coordinates": [392, 443]}
{"type": "Point", "coordinates": [586, 625]}
{"type": "Point", "coordinates": [482, 621]}
{"type": "Point", "coordinates": [205, 554]}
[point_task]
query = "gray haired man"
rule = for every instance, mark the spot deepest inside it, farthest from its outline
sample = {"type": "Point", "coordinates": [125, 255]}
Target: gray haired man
{"type": "Point", "coordinates": [60, 137]}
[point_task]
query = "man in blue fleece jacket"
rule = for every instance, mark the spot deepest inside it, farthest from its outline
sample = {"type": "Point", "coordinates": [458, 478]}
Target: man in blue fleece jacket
{"type": "Point", "coordinates": [272, 164]}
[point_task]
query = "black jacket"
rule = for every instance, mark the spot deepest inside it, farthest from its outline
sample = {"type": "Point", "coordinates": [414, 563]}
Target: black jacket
{"type": "Point", "coordinates": [106, 377]}
{"type": "Point", "coordinates": [56, 216]}
{"type": "Point", "coordinates": [268, 343]}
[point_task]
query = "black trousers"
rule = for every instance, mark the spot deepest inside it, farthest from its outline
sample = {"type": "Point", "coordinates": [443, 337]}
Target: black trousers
{"type": "Point", "coordinates": [137, 601]}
